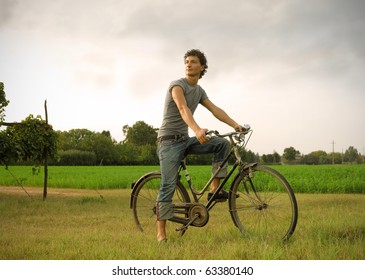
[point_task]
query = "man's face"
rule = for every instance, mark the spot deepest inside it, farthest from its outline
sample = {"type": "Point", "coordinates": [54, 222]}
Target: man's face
{"type": "Point", "coordinates": [193, 66]}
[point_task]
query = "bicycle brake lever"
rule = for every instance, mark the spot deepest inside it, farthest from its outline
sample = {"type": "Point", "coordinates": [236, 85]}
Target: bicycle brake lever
{"type": "Point", "coordinates": [247, 127]}
{"type": "Point", "coordinates": [210, 132]}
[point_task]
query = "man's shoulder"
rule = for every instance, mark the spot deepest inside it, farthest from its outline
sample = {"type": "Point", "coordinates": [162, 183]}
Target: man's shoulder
{"type": "Point", "coordinates": [184, 84]}
{"type": "Point", "coordinates": [180, 82]}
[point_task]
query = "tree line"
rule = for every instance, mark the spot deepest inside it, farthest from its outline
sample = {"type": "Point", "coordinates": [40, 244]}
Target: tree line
{"type": "Point", "coordinates": [293, 156]}
{"type": "Point", "coordinates": [33, 140]}
{"type": "Point", "coordinates": [85, 147]}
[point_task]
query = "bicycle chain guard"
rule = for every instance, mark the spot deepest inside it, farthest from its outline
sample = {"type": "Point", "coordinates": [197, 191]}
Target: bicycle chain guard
{"type": "Point", "coordinates": [199, 215]}
{"type": "Point", "coordinates": [196, 215]}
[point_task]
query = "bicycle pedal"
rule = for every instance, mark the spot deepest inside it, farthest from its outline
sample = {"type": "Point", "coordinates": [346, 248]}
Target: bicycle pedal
{"type": "Point", "coordinates": [182, 229]}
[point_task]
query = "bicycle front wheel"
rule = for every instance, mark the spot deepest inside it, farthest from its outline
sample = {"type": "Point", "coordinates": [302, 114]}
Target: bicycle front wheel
{"type": "Point", "coordinates": [143, 201]}
{"type": "Point", "coordinates": [263, 204]}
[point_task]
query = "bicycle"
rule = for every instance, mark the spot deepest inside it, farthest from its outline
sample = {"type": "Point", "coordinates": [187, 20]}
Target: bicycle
{"type": "Point", "coordinates": [261, 201]}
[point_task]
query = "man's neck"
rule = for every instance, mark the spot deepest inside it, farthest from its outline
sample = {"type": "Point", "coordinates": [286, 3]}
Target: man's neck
{"type": "Point", "coordinates": [192, 80]}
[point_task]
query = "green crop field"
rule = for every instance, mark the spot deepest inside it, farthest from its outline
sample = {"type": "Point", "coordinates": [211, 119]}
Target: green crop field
{"type": "Point", "coordinates": [303, 178]}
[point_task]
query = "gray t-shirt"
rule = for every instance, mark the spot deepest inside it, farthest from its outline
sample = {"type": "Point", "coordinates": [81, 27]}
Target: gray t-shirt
{"type": "Point", "coordinates": [173, 123]}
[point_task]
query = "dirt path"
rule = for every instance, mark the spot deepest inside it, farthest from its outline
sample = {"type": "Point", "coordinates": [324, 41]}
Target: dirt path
{"type": "Point", "coordinates": [38, 192]}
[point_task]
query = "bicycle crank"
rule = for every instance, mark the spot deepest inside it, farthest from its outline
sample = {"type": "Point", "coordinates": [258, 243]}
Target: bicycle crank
{"type": "Point", "coordinates": [197, 216]}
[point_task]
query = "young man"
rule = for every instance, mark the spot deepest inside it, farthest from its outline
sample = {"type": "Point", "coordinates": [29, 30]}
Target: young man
{"type": "Point", "coordinates": [182, 98]}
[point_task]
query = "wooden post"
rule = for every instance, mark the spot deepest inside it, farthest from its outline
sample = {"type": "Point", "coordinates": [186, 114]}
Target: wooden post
{"type": "Point", "coordinates": [45, 159]}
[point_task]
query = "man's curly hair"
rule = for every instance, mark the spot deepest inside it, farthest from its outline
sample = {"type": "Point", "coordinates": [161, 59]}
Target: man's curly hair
{"type": "Point", "coordinates": [202, 59]}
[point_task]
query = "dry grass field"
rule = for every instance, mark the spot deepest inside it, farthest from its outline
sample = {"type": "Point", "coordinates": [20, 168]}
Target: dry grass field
{"type": "Point", "coordinates": [77, 224]}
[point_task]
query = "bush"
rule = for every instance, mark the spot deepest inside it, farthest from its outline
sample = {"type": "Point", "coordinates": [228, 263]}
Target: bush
{"type": "Point", "coordinates": [76, 157]}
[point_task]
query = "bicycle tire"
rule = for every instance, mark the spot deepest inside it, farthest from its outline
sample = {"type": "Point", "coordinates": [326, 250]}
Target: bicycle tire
{"type": "Point", "coordinates": [143, 201]}
{"type": "Point", "coordinates": [262, 203]}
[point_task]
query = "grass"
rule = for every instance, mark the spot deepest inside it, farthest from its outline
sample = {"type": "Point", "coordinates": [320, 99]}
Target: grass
{"type": "Point", "coordinates": [80, 224]}
{"type": "Point", "coordinates": [303, 178]}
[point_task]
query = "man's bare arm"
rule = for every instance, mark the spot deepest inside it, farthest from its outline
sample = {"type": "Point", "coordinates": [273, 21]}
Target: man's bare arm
{"type": "Point", "coordinates": [185, 112]}
{"type": "Point", "coordinates": [220, 114]}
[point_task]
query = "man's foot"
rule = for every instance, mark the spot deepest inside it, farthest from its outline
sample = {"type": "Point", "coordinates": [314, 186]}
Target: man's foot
{"type": "Point", "coordinates": [220, 197]}
{"type": "Point", "coordinates": [161, 231]}
{"type": "Point", "coordinates": [162, 241]}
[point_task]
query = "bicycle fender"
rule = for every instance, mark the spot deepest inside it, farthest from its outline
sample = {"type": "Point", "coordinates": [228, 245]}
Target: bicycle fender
{"type": "Point", "coordinates": [135, 184]}
{"type": "Point", "coordinates": [244, 168]}
{"type": "Point", "coordinates": [248, 165]}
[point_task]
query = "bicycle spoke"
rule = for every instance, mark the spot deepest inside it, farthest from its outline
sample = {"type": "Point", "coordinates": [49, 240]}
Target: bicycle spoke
{"type": "Point", "coordinates": [144, 202]}
{"type": "Point", "coordinates": [264, 205]}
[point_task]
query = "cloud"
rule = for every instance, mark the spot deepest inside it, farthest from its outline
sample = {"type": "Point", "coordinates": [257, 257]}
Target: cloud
{"type": "Point", "coordinates": [6, 11]}
{"type": "Point", "coordinates": [270, 58]}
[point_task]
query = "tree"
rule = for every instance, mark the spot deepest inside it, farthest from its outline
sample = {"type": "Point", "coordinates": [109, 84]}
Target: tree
{"type": "Point", "coordinates": [139, 146]}
{"type": "Point", "coordinates": [101, 145]}
{"type": "Point", "coordinates": [3, 102]}
{"type": "Point", "coordinates": [8, 151]}
{"type": "Point", "coordinates": [290, 154]}
{"type": "Point", "coordinates": [317, 157]}
{"type": "Point", "coordinates": [271, 158]}
{"type": "Point", "coordinates": [351, 154]}
{"type": "Point", "coordinates": [104, 148]}
{"type": "Point", "coordinates": [128, 153]}
{"type": "Point", "coordinates": [277, 158]}
{"type": "Point", "coordinates": [140, 134]}
{"type": "Point", "coordinates": [78, 139]}
{"type": "Point", "coordinates": [337, 158]}
{"type": "Point", "coordinates": [32, 139]}
{"type": "Point", "coordinates": [266, 158]}
{"type": "Point", "coordinates": [35, 138]}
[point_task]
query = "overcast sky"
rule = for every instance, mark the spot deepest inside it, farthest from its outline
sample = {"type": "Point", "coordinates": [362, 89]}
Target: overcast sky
{"type": "Point", "coordinates": [294, 70]}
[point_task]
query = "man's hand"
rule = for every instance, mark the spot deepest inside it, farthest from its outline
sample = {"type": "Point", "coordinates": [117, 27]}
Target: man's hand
{"type": "Point", "coordinates": [240, 128]}
{"type": "Point", "coordinates": [201, 135]}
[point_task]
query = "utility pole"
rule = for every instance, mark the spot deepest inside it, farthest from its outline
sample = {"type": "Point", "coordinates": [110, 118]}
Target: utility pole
{"type": "Point", "coordinates": [45, 184]}
{"type": "Point", "coordinates": [333, 152]}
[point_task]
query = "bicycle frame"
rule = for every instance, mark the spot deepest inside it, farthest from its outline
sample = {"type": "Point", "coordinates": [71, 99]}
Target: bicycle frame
{"type": "Point", "coordinates": [203, 210]}
{"type": "Point", "coordinates": [198, 194]}
{"type": "Point", "coordinates": [255, 190]}
{"type": "Point", "coordinates": [234, 151]}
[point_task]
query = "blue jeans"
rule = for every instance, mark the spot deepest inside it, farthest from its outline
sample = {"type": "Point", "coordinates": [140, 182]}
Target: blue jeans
{"type": "Point", "coordinates": [171, 153]}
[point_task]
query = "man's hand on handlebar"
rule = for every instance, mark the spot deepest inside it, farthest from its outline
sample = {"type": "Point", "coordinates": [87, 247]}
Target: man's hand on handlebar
{"type": "Point", "coordinates": [244, 128]}
{"type": "Point", "coordinates": [201, 136]}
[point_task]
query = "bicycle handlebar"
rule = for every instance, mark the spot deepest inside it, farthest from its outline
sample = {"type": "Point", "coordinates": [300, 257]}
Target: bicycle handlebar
{"type": "Point", "coordinates": [247, 129]}
{"type": "Point", "coordinates": [238, 136]}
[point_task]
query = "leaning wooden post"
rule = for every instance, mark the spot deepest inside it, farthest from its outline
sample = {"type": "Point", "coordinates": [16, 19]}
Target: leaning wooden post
{"type": "Point", "coordinates": [45, 159]}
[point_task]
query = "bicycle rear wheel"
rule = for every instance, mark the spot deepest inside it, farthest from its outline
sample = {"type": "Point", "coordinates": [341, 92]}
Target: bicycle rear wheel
{"type": "Point", "coordinates": [143, 201]}
{"type": "Point", "coordinates": [263, 204]}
